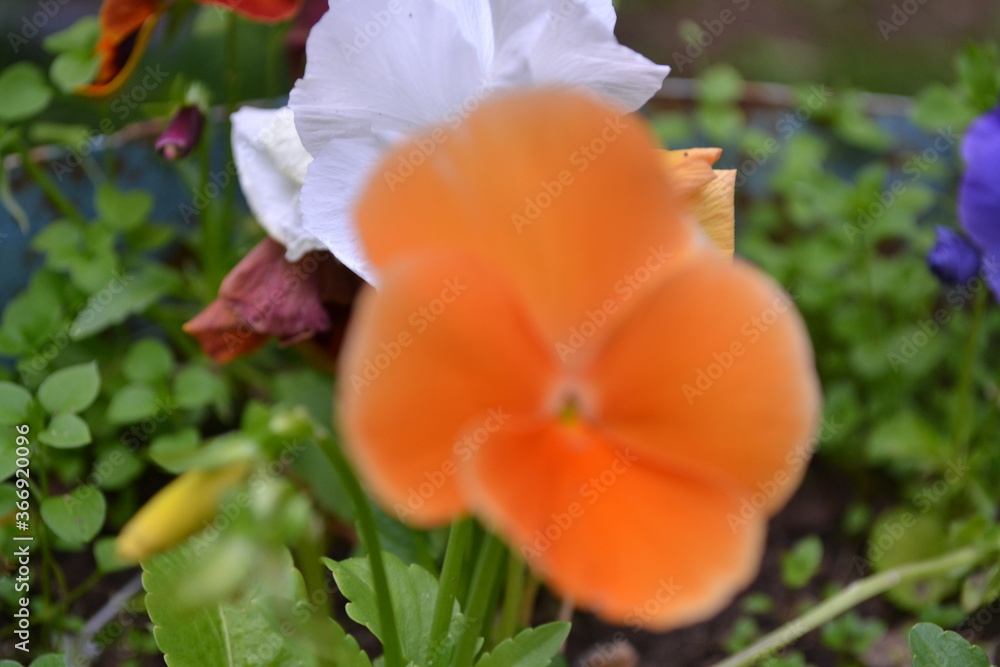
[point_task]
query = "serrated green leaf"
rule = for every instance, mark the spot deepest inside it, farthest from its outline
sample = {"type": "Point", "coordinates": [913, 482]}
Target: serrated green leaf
{"type": "Point", "coordinates": [244, 630]}
{"type": "Point", "coordinates": [122, 210]}
{"type": "Point", "coordinates": [15, 403]}
{"type": "Point", "coordinates": [934, 647]}
{"type": "Point", "coordinates": [75, 517]}
{"type": "Point", "coordinates": [70, 389]}
{"type": "Point", "coordinates": [413, 591]}
{"type": "Point", "coordinates": [24, 91]}
{"type": "Point", "coordinates": [132, 403]}
{"type": "Point", "coordinates": [534, 647]}
{"type": "Point", "coordinates": [66, 431]}
{"type": "Point", "coordinates": [131, 294]}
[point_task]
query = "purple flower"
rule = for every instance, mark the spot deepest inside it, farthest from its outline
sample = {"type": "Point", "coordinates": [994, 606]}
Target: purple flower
{"type": "Point", "coordinates": [181, 134]}
{"type": "Point", "coordinates": [979, 194]}
{"type": "Point", "coordinates": [953, 259]}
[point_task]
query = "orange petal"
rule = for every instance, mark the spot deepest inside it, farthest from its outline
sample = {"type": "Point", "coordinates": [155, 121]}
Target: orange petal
{"type": "Point", "coordinates": [691, 167]}
{"type": "Point", "coordinates": [713, 375]}
{"type": "Point", "coordinates": [126, 26]}
{"type": "Point", "coordinates": [713, 206]}
{"type": "Point", "coordinates": [264, 11]}
{"type": "Point", "coordinates": [443, 345]}
{"type": "Point", "coordinates": [710, 192]}
{"type": "Point", "coordinates": [565, 194]}
{"type": "Point", "coordinates": [637, 545]}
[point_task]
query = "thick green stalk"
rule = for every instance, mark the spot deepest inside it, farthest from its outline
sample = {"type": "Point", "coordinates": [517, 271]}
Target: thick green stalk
{"type": "Point", "coordinates": [849, 598]}
{"type": "Point", "coordinates": [459, 540]}
{"type": "Point", "coordinates": [364, 517]}
{"type": "Point", "coordinates": [477, 610]}
{"type": "Point", "coordinates": [512, 598]}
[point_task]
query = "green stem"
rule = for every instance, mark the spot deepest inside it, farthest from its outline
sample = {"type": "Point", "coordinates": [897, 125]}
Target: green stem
{"type": "Point", "coordinates": [55, 195]}
{"type": "Point", "coordinates": [365, 519]}
{"type": "Point", "coordinates": [850, 597]}
{"type": "Point", "coordinates": [477, 610]}
{"type": "Point", "coordinates": [528, 601]}
{"type": "Point", "coordinates": [459, 541]}
{"type": "Point", "coordinates": [513, 597]}
{"type": "Point", "coordinates": [961, 428]}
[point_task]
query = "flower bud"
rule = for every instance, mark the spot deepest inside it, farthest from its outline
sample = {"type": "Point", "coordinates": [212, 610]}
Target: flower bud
{"type": "Point", "coordinates": [181, 134]}
{"type": "Point", "coordinates": [953, 259]}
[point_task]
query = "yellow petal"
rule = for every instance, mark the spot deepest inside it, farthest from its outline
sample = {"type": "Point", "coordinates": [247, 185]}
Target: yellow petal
{"type": "Point", "coordinates": [179, 510]}
{"type": "Point", "coordinates": [709, 192]}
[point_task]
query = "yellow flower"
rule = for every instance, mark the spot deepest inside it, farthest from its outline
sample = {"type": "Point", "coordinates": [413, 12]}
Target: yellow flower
{"type": "Point", "coordinates": [179, 510]}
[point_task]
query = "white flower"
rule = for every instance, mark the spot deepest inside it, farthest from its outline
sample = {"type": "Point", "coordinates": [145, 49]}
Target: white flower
{"type": "Point", "coordinates": [378, 71]}
{"type": "Point", "coordinates": [271, 164]}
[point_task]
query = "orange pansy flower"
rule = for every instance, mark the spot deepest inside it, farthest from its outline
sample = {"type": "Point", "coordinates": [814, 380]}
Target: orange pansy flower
{"type": "Point", "coordinates": [126, 26]}
{"type": "Point", "coordinates": [557, 348]}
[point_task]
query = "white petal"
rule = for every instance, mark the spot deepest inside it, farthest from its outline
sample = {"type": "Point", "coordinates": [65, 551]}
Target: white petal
{"type": "Point", "coordinates": [333, 185]}
{"type": "Point", "coordinates": [371, 67]}
{"type": "Point", "coordinates": [271, 164]}
{"type": "Point", "coordinates": [570, 45]}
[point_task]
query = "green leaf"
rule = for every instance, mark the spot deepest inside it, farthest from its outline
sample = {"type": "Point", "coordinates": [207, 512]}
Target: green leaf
{"type": "Point", "coordinates": [148, 360]}
{"type": "Point", "coordinates": [75, 517]}
{"type": "Point", "coordinates": [15, 403]}
{"type": "Point", "coordinates": [534, 647]}
{"type": "Point", "coordinates": [66, 431]}
{"type": "Point", "coordinates": [413, 590]}
{"type": "Point", "coordinates": [24, 92]}
{"type": "Point", "coordinates": [934, 647]}
{"type": "Point", "coordinates": [801, 563]}
{"type": "Point", "coordinates": [130, 294]}
{"type": "Point", "coordinates": [71, 389]}
{"type": "Point", "coordinates": [132, 403]}
{"type": "Point", "coordinates": [104, 555]}
{"type": "Point", "coordinates": [196, 386]}
{"type": "Point", "coordinates": [122, 210]}
{"type": "Point", "coordinates": [49, 660]}
{"type": "Point", "coordinates": [73, 136]}
{"type": "Point", "coordinates": [71, 70]}
{"type": "Point", "coordinates": [81, 36]}
{"type": "Point", "coordinates": [115, 467]}
{"type": "Point", "coordinates": [245, 629]}
{"type": "Point", "coordinates": [172, 451]}
{"type": "Point", "coordinates": [342, 649]}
